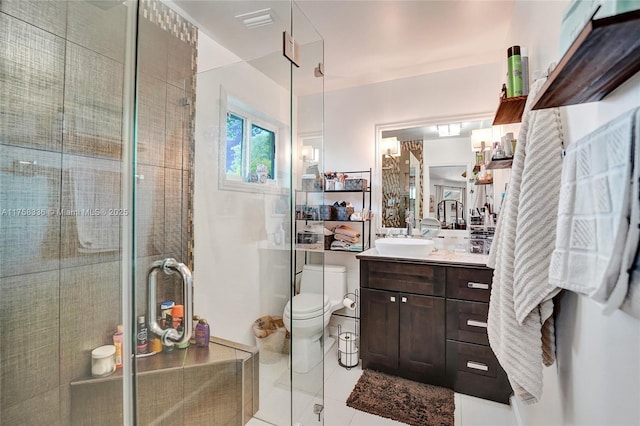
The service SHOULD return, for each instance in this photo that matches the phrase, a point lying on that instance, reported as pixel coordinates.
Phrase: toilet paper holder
(348, 354)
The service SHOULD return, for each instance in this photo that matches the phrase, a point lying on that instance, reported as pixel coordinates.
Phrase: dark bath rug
(403, 400)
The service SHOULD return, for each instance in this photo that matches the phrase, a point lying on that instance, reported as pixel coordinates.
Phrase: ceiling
(365, 41)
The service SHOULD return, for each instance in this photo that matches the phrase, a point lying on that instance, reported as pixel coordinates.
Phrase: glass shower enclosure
(124, 174)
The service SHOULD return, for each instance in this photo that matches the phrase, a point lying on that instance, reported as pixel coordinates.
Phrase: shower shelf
(224, 360)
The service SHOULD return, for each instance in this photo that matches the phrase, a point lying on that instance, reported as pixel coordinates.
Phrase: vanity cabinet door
(379, 328)
(422, 338)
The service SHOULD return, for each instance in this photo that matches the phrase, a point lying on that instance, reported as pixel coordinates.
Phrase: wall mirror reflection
(424, 169)
(448, 195)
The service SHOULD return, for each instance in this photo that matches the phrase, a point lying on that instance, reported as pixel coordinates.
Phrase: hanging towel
(96, 191)
(597, 234)
(520, 324)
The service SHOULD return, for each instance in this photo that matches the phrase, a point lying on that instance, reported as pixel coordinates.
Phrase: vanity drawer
(474, 370)
(467, 321)
(414, 278)
(469, 283)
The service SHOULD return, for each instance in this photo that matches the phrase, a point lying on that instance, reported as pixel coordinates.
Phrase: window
(249, 142)
(251, 149)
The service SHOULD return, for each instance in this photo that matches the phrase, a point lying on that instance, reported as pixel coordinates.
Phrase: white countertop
(440, 256)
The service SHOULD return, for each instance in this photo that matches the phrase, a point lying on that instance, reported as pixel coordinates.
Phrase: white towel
(96, 191)
(520, 324)
(596, 246)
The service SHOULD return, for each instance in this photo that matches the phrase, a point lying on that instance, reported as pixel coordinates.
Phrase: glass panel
(173, 374)
(61, 210)
(310, 338)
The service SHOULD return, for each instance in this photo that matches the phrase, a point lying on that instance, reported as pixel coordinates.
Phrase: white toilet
(311, 313)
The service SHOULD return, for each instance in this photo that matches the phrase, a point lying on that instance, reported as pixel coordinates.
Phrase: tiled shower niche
(61, 117)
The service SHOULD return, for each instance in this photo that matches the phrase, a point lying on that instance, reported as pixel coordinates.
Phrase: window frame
(251, 116)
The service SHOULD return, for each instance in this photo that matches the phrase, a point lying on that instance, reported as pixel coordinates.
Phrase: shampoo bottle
(142, 342)
(514, 67)
(117, 342)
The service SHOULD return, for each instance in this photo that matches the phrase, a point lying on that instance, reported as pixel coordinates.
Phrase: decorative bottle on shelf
(117, 342)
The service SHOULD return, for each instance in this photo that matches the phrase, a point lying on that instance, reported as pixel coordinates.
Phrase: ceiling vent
(256, 19)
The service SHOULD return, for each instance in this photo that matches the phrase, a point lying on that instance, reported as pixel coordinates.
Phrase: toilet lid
(308, 305)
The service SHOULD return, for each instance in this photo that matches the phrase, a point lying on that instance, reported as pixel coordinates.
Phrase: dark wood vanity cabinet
(428, 322)
(403, 334)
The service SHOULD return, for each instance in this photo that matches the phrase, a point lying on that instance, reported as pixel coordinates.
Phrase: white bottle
(279, 236)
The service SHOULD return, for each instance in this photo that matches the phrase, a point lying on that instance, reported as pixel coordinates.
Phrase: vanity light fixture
(391, 147)
(449, 129)
(480, 136)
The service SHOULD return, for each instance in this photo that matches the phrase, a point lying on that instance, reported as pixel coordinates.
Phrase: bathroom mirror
(426, 169)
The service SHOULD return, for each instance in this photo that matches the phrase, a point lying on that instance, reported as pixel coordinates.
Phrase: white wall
(238, 276)
(596, 380)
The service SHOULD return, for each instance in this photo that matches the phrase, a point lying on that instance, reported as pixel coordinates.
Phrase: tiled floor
(275, 400)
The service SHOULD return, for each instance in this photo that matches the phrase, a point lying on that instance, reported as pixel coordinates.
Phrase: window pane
(235, 136)
(263, 149)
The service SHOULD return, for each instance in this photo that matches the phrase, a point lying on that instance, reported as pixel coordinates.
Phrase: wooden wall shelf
(502, 163)
(604, 55)
(510, 110)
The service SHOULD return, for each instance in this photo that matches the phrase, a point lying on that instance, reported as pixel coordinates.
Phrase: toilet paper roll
(349, 304)
(347, 342)
(349, 359)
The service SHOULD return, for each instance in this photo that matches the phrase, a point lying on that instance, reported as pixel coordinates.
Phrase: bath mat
(403, 400)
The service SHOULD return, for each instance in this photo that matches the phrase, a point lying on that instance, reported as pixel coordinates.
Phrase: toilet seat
(307, 305)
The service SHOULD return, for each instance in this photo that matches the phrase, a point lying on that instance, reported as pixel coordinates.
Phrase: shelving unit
(328, 198)
(510, 110)
(605, 54)
(502, 163)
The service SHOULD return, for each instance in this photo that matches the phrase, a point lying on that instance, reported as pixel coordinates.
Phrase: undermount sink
(401, 247)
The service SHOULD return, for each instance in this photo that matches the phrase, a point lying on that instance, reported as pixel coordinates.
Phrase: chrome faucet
(410, 223)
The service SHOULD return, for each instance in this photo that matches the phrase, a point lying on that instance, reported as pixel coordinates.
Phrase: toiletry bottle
(165, 314)
(142, 342)
(202, 334)
(514, 65)
(195, 320)
(177, 313)
(117, 342)
(279, 236)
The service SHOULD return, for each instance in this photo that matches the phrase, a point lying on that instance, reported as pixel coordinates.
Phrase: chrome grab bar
(170, 336)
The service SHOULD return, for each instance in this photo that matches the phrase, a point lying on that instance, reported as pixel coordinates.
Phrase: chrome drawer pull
(479, 286)
(477, 366)
(392, 299)
(404, 300)
(474, 323)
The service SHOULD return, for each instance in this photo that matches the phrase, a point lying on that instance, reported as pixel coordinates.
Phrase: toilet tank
(335, 280)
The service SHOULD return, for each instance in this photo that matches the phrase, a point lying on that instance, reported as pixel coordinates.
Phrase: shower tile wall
(61, 109)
